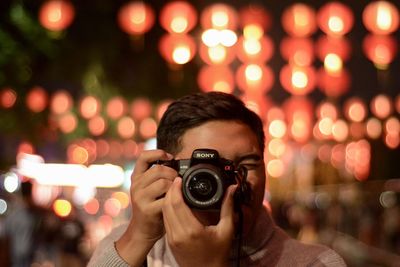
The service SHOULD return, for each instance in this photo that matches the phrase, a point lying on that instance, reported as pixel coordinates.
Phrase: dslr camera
(206, 177)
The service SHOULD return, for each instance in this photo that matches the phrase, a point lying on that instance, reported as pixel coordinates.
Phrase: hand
(148, 186)
(192, 243)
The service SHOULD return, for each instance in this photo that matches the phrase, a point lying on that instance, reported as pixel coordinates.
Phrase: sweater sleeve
(105, 254)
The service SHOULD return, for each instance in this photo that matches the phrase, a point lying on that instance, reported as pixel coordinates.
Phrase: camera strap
(239, 236)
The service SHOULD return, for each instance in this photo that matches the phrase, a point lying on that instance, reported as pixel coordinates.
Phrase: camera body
(205, 178)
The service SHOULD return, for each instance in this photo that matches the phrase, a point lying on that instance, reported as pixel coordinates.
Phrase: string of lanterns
(221, 35)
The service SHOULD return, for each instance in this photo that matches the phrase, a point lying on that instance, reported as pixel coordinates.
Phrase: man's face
(234, 141)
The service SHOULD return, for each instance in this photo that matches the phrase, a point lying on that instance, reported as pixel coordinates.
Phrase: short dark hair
(196, 109)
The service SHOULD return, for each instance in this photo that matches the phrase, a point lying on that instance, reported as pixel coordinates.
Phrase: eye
(250, 165)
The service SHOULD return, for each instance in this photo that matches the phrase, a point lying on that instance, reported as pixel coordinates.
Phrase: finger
(226, 222)
(177, 214)
(157, 189)
(153, 174)
(147, 157)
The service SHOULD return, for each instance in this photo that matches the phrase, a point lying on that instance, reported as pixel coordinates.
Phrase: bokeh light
(299, 20)
(381, 17)
(62, 207)
(37, 99)
(56, 15)
(178, 17)
(8, 97)
(136, 17)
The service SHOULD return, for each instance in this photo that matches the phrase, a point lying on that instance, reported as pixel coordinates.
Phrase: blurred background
(83, 85)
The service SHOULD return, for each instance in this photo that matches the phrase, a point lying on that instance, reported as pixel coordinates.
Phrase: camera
(206, 177)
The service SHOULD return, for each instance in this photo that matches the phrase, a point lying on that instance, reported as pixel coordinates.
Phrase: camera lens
(202, 186)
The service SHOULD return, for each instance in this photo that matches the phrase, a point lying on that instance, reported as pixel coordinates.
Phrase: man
(165, 231)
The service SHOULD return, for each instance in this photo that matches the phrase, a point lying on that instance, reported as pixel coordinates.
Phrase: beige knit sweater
(266, 246)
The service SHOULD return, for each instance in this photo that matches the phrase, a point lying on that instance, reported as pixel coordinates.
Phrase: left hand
(192, 243)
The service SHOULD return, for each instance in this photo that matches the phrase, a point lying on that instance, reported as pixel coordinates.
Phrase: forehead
(230, 138)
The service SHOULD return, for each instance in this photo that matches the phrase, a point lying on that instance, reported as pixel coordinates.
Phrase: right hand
(148, 187)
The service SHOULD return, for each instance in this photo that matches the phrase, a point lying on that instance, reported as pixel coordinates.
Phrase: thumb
(226, 222)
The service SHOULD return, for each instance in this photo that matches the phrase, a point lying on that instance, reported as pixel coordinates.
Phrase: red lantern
(217, 55)
(299, 20)
(254, 50)
(331, 45)
(178, 17)
(254, 14)
(177, 49)
(56, 15)
(299, 51)
(334, 85)
(335, 19)
(216, 78)
(299, 114)
(254, 78)
(298, 80)
(381, 17)
(219, 16)
(136, 17)
(37, 99)
(380, 49)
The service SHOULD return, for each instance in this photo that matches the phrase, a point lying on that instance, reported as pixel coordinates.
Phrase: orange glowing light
(8, 97)
(333, 84)
(355, 109)
(219, 16)
(392, 126)
(112, 207)
(89, 107)
(255, 50)
(335, 18)
(216, 55)
(299, 20)
(122, 197)
(126, 127)
(380, 49)
(277, 128)
(77, 154)
(275, 168)
(327, 110)
(325, 126)
(216, 78)
(298, 80)
(381, 106)
(276, 147)
(340, 130)
(62, 207)
(92, 206)
(177, 49)
(141, 108)
(381, 17)
(178, 17)
(275, 113)
(255, 14)
(392, 140)
(332, 45)
(67, 122)
(61, 102)
(299, 112)
(299, 51)
(374, 128)
(116, 107)
(36, 99)
(56, 15)
(97, 125)
(254, 78)
(136, 17)
(148, 128)
(130, 149)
